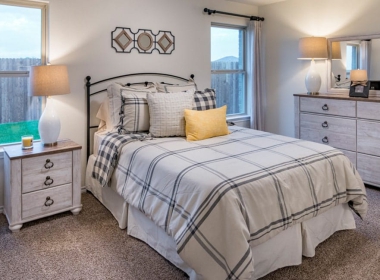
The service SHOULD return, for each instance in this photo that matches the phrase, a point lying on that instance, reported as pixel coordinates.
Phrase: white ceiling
(257, 2)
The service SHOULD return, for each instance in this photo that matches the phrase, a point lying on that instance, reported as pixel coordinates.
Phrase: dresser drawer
(351, 156)
(369, 137)
(37, 175)
(34, 203)
(328, 106)
(368, 168)
(328, 123)
(333, 139)
(338, 133)
(368, 110)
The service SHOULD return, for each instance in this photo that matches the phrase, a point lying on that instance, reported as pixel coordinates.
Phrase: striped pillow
(114, 96)
(134, 112)
(204, 100)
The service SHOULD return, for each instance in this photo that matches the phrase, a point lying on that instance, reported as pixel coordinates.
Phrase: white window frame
(357, 46)
(244, 115)
(43, 5)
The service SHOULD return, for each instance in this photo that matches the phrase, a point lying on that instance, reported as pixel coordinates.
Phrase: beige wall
(80, 38)
(288, 21)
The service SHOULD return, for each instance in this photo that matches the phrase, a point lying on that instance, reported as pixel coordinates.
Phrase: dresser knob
(325, 139)
(325, 124)
(325, 107)
(48, 181)
(49, 164)
(49, 201)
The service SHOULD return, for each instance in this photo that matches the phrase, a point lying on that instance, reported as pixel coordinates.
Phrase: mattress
(247, 186)
(311, 235)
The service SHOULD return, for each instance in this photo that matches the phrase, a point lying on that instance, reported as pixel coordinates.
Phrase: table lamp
(359, 76)
(336, 53)
(313, 48)
(49, 80)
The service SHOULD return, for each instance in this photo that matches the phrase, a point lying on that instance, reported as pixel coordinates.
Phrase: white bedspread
(217, 196)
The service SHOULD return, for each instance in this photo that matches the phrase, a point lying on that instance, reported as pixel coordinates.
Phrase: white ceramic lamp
(48, 80)
(313, 48)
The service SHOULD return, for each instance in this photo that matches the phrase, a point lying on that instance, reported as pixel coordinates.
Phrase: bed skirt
(285, 249)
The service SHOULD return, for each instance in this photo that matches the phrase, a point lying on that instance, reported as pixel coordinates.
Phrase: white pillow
(114, 96)
(136, 111)
(176, 88)
(104, 116)
(167, 112)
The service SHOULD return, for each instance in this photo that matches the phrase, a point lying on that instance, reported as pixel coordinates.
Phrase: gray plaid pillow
(204, 100)
(134, 112)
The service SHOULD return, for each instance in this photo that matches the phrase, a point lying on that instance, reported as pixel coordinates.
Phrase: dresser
(42, 181)
(349, 124)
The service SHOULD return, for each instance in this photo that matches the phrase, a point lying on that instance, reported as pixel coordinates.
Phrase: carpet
(91, 246)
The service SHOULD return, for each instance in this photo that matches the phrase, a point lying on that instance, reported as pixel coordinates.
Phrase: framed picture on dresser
(360, 90)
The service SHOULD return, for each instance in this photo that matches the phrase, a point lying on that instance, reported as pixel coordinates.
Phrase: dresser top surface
(15, 151)
(338, 96)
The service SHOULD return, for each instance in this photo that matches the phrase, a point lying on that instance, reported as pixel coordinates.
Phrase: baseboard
(1, 209)
(83, 189)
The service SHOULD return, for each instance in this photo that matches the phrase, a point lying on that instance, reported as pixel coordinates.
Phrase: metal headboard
(89, 94)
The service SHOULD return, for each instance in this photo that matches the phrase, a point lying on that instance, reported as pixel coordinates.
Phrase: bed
(236, 206)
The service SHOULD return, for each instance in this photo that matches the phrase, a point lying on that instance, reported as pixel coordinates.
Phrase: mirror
(349, 53)
(145, 41)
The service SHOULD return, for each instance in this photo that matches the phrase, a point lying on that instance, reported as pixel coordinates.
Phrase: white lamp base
(49, 125)
(313, 80)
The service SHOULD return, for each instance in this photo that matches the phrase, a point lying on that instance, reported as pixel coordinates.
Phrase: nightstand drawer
(345, 108)
(46, 171)
(37, 203)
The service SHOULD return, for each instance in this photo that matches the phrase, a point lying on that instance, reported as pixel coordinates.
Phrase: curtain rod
(231, 14)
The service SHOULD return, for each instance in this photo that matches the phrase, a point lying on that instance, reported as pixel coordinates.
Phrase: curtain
(365, 53)
(255, 91)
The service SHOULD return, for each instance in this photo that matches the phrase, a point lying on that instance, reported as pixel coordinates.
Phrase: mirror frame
(140, 37)
(329, 61)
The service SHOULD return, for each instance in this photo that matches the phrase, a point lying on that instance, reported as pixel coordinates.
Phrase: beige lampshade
(313, 48)
(48, 80)
(358, 75)
(335, 51)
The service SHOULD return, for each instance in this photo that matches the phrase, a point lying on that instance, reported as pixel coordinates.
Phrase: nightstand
(42, 181)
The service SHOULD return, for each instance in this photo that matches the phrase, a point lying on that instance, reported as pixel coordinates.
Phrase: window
(22, 44)
(228, 67)
(352, 58)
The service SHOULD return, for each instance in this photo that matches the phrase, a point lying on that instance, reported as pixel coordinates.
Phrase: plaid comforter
(215, 197)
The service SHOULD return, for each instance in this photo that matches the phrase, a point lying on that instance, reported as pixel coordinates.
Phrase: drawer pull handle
(49, 164)
(325, 124)
(48, 181)
(325, 107)
(49, 201)
(325, 139)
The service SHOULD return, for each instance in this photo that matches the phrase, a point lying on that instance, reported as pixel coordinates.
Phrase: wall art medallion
(124, 40)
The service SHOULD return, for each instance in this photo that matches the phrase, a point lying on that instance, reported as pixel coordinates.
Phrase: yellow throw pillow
(206, 124)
